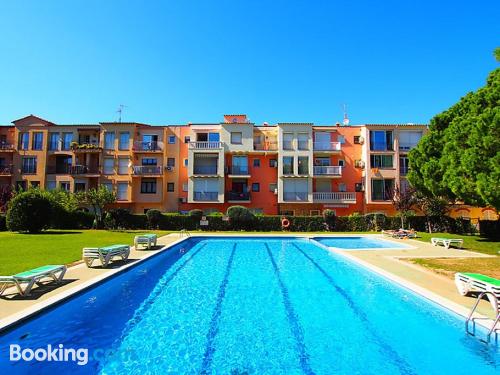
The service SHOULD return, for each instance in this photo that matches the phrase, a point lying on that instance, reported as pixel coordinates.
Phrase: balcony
(6, 170)
(148, 146)
(334, 197)
(92, 147)
(205, 170)
(295, 197)
(328, 171)
(205, 145)
(206, 196)
(147, 170)
(327, 146)
(238, 171)
(83, 169)
(266, 146)
(234, 196)
(6, 147)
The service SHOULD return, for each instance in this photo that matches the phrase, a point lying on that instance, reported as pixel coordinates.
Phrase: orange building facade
(286, 168)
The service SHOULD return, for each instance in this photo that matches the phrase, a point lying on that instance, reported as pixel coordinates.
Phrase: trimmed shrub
(3, 224)
(197, 214)
(30, 211)
(329, 217)
(154, 218)
(118, 218)
(487, 228)
(240, 217)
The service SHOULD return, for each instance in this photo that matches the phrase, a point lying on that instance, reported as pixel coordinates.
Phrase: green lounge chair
(31, 278)
(476, 282)
(147, 240)
(105, 254)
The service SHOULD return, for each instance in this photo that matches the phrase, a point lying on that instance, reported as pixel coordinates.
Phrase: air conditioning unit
(359, 187)
(359, 163)
(169, 168)
(361, 140)
(274, 164)
(275, 191)
(182, 200)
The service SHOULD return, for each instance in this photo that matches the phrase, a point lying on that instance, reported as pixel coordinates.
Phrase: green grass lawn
(474, 243)
(21, 252)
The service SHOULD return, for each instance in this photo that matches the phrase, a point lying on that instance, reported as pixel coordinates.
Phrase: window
(342, 187)
(287, 141)
(35, 184)
(50, 185)
(123, 165)
(29, 165)
(53, 141)
(149, 161)
(109, 166)
(108, 185)
(109, 140)
(122, 191)
(287, 165)
(240, 165)
(404, 165)
(357, 139)
(170, 186)
(404, 185)
(187, 139)
(64, 185)
(382, 189)
(381, 140)
(171, 139)
(256, 163)
(236, 138)
(303, 162)
(381, 161)
(186, 162)
(37, 141)
(148, 186)
(273, 163)
(295, 189)
(20, 185)
(255, 187)
(185, 187)
(287, 212)
(66, 141)
(206, 189)
(124, 141)
(409, 139)
(489, 215)
(170, 162)
(340, 139)
(341, 163)
(24, 139)
(79, 187)
(303, 141)
(273, 187)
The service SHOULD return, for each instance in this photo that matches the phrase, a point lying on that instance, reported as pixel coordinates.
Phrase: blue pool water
(256, 306)
(359, 243)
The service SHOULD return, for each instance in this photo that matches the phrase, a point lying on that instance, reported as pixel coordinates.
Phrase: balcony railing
(206, 196)
(266, 146)
(295, 197)
(237, 196)
(238, 170)
(327, 146)
(330, 170)
(152, 146)
(205, 145)
(83, 169)
(6, 169)
(334, 196)
(144, 170)
(403, 171)
(205, 169)
(287, 145)
(287, 169)
(4, 146)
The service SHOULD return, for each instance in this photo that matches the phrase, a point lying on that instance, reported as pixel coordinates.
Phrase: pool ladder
(184, 233)
(470, 318)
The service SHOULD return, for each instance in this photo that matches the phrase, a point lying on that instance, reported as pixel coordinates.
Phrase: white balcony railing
(327, 146)
(328, 170)
(144, 170)
(205, 145)
(339, 196)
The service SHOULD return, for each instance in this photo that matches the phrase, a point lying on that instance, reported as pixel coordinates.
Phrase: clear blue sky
(277, 61)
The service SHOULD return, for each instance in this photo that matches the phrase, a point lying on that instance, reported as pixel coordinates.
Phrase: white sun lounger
(105, 254)
(32, 277)
(476, 282)
(148, 240)
(447, 242)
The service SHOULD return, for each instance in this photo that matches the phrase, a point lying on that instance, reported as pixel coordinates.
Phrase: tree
(30, 211)
(240, 217)
(98, 199)
(329, 217)
(459, 158)
(6, 194)
(403, 201)
(432, 207)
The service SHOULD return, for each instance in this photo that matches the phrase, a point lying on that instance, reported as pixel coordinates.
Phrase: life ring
(285, 223)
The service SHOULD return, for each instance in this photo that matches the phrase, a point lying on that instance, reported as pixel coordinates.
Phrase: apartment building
(286, 168)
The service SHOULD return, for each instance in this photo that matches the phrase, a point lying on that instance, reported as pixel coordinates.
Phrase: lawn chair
(105, 254)
(476, 282)
(447, 242)
(32, 277)
(147, 240)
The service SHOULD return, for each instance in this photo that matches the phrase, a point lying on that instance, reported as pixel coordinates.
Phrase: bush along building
(296, 169)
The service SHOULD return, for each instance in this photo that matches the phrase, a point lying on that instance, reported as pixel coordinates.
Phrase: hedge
(490, 229)
(3, 223)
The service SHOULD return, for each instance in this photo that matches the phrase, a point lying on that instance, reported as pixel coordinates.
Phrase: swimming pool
(360, 243)
(253, 305)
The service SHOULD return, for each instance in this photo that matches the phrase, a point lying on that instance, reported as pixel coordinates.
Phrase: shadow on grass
(53, 232)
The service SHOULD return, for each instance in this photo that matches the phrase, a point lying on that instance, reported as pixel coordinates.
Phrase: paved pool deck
(389, 263)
